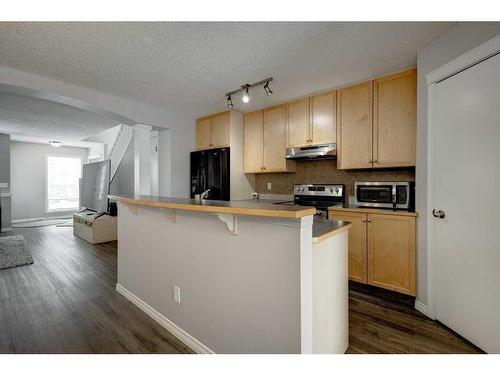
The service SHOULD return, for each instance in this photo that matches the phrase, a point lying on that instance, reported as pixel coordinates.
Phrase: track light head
(246, 97)
(229, 102)
(268, 90)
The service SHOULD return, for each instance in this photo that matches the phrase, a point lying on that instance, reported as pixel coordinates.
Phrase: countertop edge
(332, 233)
(218, 209)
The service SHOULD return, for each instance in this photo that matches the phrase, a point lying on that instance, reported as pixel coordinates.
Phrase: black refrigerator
(210, 170)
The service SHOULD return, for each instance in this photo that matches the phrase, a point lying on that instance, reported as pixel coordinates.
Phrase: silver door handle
(438, 213)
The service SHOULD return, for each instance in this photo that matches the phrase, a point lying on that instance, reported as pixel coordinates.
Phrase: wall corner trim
(178, 332)
(482, 52)
(423, 308)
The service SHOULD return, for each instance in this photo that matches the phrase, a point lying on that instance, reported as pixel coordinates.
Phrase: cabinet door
(204, 133)
(254, 141)
(323, 118)
(274, 139)
(395, 120)
(356, 244)
(354, 127)
(391, 252)
(298, 123)
(220, 129)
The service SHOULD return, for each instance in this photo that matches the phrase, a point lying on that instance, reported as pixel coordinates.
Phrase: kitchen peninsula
(236, 277)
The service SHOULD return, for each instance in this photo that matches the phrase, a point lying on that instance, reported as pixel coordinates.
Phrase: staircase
(120, 146)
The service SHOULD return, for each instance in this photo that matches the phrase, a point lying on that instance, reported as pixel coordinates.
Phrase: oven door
(376, 195)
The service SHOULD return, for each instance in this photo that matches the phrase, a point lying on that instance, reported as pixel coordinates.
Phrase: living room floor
(66, 303)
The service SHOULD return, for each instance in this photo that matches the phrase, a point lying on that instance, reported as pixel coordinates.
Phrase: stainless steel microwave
(395, 195)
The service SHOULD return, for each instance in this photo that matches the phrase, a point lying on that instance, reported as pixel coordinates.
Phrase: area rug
(39, 223)
(13, 252)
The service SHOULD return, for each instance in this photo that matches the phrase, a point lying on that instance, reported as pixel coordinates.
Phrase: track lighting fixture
(267, 89)
(245, 90)
(246, 97)
(229, 102)
(55, 143)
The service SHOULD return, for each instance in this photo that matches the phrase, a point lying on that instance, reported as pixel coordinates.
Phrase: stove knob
(331, 190)
(302, 188)
(337, 190)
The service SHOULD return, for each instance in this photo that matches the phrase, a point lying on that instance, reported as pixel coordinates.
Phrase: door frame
(475, 56)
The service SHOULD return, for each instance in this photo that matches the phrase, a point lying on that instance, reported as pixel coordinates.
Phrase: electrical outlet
(269, 186)
(177, 294)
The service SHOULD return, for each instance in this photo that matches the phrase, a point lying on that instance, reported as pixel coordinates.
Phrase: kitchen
(364, 132)
(344, 153)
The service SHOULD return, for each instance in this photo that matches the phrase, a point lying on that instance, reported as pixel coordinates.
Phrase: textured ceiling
(187, 67)
(37, 120)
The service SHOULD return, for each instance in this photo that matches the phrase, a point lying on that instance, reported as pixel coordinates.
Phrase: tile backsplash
(326, 172)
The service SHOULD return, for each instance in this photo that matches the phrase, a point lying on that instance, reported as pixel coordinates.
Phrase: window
(63, 187)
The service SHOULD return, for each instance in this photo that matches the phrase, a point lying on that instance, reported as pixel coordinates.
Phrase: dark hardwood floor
(66, 303)
(382, 325)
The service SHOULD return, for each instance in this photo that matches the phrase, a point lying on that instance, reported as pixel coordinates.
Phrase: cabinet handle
(375, 161)
(370, 161)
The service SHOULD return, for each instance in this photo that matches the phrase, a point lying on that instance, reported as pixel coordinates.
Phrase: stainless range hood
(326, 151)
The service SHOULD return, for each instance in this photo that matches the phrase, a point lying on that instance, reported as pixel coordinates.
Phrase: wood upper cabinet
(312, 121)
(254, 141)
(323, 118)
(212, 131)
(204, 133)
(265, 141)
(395, 120)
(298, 127)
(220, 129)
(354, 127)
(391, 252)
(356, 243)
(274, 138)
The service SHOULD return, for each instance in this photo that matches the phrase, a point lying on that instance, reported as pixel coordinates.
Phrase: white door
(467, 189)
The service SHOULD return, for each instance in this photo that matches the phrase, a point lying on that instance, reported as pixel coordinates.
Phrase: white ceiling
(187, 67)
(36, 120)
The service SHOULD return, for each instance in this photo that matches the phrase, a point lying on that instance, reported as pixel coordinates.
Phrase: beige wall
(239, 294)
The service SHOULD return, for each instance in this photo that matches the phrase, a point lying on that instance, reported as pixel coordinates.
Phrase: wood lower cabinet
(356, 244)
(391, 252)
(395, 120)
(381, 249)
(354, 128)
(213, 131)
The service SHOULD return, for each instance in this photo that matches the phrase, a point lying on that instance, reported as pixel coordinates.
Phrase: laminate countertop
(324, 229)
(243, 207)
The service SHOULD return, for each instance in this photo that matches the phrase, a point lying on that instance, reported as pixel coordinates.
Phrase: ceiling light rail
(245, 89)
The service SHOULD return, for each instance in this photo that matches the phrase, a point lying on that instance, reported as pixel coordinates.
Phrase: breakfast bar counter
(236, 277)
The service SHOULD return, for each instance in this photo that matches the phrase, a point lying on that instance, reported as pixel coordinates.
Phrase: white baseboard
(175, 330)
(69, 216)
(423, 308)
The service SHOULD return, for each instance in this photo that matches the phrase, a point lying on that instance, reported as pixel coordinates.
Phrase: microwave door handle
(394, 198)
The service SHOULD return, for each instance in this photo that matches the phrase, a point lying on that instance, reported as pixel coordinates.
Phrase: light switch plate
(4, 184)
(269, 186)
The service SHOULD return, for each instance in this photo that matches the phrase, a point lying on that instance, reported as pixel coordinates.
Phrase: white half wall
(27, 165)
(455, 42)
(182, 129)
